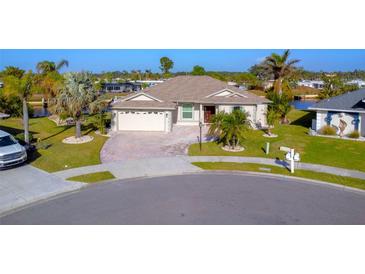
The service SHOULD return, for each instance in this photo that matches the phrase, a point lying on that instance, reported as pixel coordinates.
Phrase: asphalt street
(206, 198)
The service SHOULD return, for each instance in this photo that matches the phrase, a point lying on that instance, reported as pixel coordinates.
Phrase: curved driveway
(208, 198)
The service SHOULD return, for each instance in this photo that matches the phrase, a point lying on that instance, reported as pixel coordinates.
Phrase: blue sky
(97, 60)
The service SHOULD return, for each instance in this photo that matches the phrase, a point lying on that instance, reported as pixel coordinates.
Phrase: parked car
(11, 152)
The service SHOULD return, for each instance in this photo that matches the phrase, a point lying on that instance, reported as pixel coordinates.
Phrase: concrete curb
(262, 174)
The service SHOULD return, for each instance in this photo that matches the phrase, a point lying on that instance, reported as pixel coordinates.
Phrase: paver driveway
(137, 145)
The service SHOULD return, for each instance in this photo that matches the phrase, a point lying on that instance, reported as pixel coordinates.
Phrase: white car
(11, 152)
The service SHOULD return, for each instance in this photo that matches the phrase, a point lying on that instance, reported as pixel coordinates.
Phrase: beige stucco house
(184, 100)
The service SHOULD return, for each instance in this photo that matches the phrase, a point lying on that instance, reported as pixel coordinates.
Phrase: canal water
(303, 104)
(41, 112)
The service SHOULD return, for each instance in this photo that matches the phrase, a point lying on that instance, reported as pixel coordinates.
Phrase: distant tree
(280, 67)
(76, 96)
(198, 70)
(260, 72)
(147, 74)
(332, 86)
(49, 66)
(166, 65)
(248, 79)
(48, 84)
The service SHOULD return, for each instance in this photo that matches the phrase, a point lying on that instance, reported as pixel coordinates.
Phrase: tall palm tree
(229, 128)
(76, 96)
(22, 88)
(49, 66)
(280, 67)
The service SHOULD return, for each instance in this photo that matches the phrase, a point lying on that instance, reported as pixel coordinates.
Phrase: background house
(121, 87)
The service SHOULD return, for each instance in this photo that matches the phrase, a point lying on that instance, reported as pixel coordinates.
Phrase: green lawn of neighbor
(346, 181)
(93, 177)
(319, 150)
(58, 156)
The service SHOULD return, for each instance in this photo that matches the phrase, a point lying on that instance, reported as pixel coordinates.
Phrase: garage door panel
(142, 120)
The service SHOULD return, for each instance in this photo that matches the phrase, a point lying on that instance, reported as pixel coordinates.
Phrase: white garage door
(142, 120)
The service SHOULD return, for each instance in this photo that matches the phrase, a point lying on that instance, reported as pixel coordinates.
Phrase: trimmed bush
(20, 137)
(354, 134)
(327, 130)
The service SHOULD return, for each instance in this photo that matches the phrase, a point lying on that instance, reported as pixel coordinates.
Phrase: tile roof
(192, 89)
(350, 101)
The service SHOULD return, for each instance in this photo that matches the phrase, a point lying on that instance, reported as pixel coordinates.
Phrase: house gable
(142, 97)
(225, 93)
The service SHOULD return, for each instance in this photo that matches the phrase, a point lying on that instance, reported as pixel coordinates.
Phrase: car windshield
(7, 141)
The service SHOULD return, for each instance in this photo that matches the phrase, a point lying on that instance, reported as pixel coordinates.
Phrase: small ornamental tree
(271, 116)
(229, 128)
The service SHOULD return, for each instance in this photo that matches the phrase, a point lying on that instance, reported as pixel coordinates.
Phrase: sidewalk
(281, 163)
(136, 168)
(26, 184)
(182, 164)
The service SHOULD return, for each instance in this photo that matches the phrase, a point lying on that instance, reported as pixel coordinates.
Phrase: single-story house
(184, 100)
(348, 109)
(121, 87)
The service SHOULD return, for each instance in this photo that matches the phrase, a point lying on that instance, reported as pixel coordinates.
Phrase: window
(187, 111)
(236, 108)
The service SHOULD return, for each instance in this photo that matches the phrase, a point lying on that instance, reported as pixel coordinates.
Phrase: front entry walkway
(130, 145)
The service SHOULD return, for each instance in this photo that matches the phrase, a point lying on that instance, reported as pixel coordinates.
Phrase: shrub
(328, 130)
(20, 137)
(354, 134)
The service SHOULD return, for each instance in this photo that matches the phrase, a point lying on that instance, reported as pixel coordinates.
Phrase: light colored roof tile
(193, 89)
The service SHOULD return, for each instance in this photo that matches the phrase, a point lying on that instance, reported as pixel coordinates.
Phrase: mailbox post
(292, 160)
(200, 135)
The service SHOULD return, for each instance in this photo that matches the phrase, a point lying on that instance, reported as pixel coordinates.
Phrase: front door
(209, 111)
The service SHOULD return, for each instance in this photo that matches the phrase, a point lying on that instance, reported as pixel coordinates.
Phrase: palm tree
(49, 66)
(22, 88)
(280, 104)
(280, 67)
(229, 128)
(14, 71)
(76, 96)
(271, 118)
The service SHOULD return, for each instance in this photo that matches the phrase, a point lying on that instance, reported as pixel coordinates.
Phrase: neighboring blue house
(348, 109)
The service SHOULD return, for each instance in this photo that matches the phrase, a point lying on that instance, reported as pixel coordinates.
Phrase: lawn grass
(58, 156)
(319, 150)
(93, 177)
(340, 180)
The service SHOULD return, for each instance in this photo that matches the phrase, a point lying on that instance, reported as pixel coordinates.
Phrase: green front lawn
(93, 177)
(55, 155)
(340, 180)
(319, 150)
